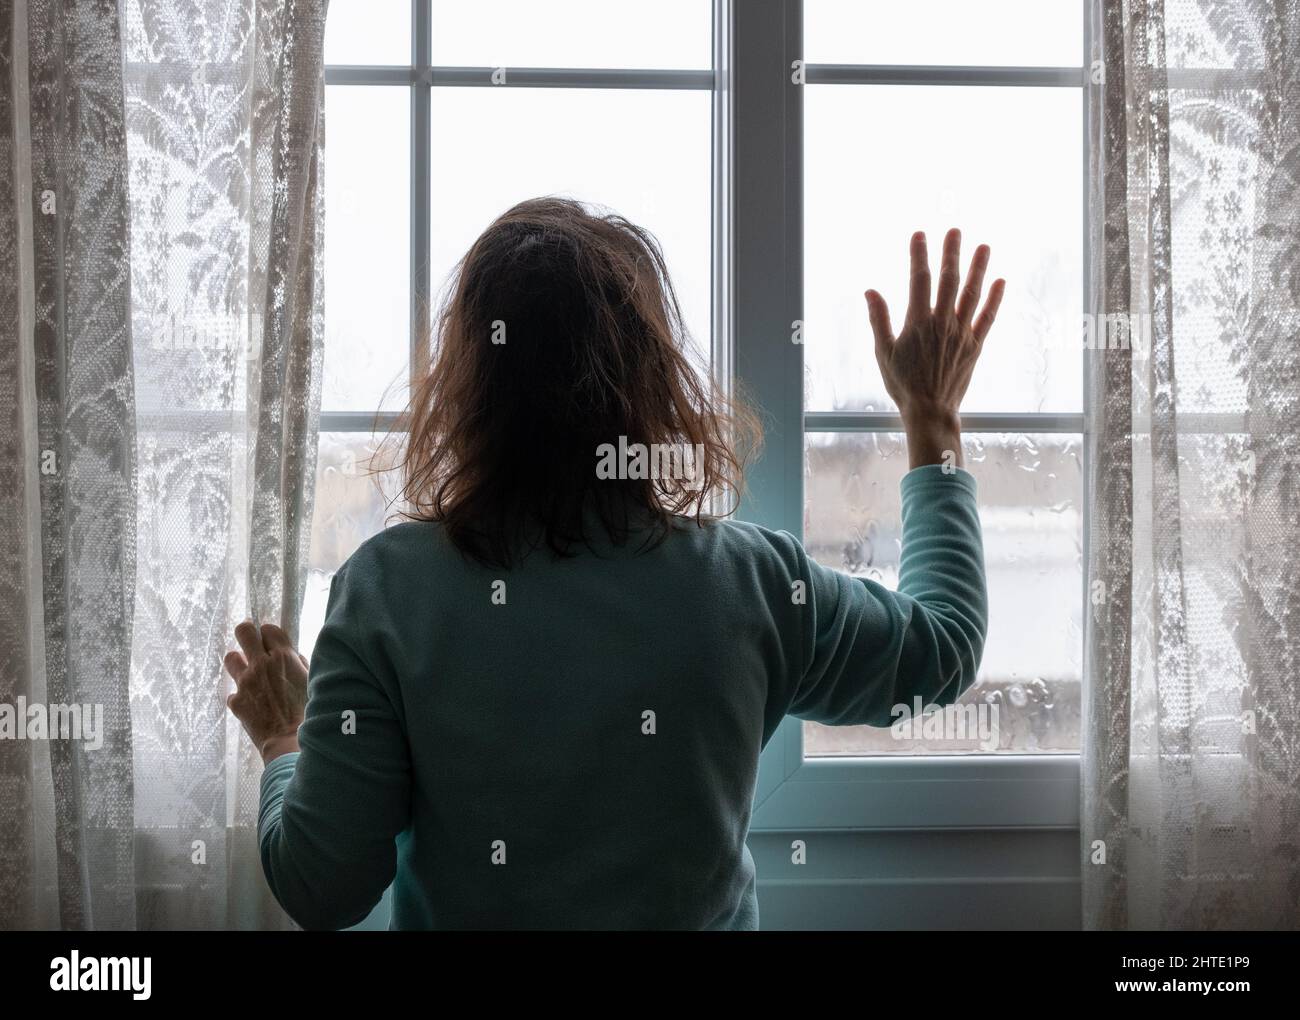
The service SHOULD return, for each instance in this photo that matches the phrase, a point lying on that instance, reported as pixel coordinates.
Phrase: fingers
(985, 321)
(249, 639)
(970, 294)
(949, 273)
(274, 637)
(235, 664)
(880, 328)
(918, 305)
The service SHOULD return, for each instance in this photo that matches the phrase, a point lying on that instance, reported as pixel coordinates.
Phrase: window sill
(957, 791)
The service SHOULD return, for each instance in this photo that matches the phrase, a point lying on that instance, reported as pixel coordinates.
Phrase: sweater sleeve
(330, 814)
(867, 648)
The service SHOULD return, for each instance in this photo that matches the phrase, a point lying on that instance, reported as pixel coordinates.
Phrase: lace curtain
(158, 420)
(1191, 780)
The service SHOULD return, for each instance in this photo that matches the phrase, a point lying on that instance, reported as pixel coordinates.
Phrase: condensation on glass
(1030, 511)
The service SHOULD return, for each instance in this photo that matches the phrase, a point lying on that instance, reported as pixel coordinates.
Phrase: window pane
(367, 247)
(1007, 33)
(644, 154)
(351, 505)
(1007, 171)
(368, 32)
(573, 33)
(1030, 506)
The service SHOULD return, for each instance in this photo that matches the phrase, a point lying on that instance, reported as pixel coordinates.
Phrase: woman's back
(574, 742)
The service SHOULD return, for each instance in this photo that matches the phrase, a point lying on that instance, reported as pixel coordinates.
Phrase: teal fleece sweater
(580, 751)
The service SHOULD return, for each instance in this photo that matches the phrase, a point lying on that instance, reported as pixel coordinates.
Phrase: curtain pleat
(225, 121)
(287, 273)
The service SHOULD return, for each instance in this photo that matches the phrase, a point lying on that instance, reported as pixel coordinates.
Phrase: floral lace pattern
(1191, 764)
(174, 298)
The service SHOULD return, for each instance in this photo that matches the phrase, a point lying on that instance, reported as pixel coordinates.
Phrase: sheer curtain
(67, 452)
(169, 352)
(1191, 780)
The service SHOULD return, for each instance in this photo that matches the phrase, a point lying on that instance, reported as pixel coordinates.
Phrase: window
(827, 171)
(981, 128)
(439, 116)
(776, 203)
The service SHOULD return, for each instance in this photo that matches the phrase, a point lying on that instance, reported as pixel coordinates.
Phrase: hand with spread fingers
(928, 366)
(270, 688)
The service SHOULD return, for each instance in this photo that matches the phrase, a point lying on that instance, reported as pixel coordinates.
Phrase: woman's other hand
(270, 688)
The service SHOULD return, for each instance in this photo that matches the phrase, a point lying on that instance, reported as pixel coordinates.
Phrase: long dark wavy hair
(562, 333)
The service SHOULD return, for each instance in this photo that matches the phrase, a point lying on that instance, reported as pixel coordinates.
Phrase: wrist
(280, 744)
(931, 418)
(933, 438)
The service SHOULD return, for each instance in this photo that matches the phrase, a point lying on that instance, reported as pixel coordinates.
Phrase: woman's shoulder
(418, 547)
(410, 543)
(742, 539)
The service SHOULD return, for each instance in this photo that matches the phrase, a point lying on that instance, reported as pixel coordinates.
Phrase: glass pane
(367, 247)
(668, 34)
(368, 32)
(644, 154)
(1030, 509)
(1005, 33)
(873, 175)
(352, 503)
